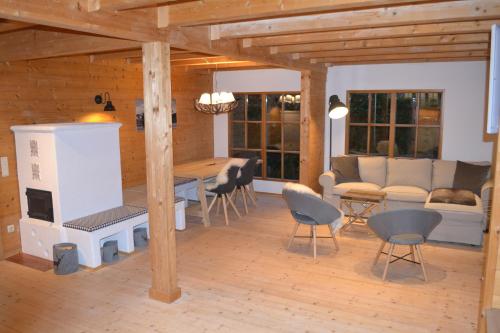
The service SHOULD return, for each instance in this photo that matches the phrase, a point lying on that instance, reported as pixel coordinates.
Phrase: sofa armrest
(486, 192)
(327, 181)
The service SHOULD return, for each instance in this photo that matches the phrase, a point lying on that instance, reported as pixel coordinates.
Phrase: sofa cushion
(406, 193)
(470, 176)
(340, 189)
(477, 209)
(407, 172)
(372, 169)
(345, 169)
(453, 196)
(443, 173)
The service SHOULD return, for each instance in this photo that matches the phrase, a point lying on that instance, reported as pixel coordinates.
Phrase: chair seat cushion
(340, 189)
(406, 193)
(303, 219)
(406, 239)
(211, 186)
(477, 209)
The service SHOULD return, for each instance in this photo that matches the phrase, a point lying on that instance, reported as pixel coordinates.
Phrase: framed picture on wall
(139, 114)
(174, 113)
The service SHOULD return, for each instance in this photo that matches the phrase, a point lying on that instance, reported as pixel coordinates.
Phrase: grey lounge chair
(409, 227)
(308, 208)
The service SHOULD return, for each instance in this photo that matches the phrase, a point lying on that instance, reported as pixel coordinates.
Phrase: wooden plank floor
(241, 278)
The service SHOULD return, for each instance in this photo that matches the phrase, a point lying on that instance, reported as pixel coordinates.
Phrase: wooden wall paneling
(160, 171)
(312, 124)
(63, 90)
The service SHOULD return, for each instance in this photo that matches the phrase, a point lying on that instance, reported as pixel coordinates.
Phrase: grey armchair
(409, 227)
(308, 208)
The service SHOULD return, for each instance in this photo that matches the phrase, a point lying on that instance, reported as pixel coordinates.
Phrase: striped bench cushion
(183, 180)
(106, 218)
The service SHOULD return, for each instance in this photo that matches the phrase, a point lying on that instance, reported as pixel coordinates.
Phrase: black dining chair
(224, 185)
(407, 227)
(243, 181)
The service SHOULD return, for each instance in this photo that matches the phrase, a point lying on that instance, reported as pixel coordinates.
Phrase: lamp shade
(109, 106)
(337, 109)
(205, 99)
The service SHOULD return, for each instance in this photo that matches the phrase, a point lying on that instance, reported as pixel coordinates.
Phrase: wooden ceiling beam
(227, 65)
(198, 39)
(419, 56)
(37, 44)
(137, 53)
(8, 26)
(384, 42)
(210, 66)
(116, 5)
(412, 30)
(203, 61)
(221, 11)
(69, 14)
(405, 61)
(464, 10)
(397, 50)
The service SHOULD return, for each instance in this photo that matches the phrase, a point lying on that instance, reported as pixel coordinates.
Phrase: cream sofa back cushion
(409, 172)
(443, 173)
(372, 169)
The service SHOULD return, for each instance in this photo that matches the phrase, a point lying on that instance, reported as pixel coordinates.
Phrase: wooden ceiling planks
(223, 11)
(285, 33)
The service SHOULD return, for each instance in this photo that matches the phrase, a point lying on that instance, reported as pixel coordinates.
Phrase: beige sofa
(408, 184)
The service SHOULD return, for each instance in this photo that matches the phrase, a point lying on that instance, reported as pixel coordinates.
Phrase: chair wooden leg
(232, 205)
(333, 237)
(379, 252)
(294, 232)
(421, 259)
(412, 251)
(313, 228)
(244, 199)
(389, 257)
(212, 203)
(224, 205)
(251, 194)
(310, 235)
(218, 206)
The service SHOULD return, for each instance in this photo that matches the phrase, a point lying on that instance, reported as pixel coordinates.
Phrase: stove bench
(90, 232)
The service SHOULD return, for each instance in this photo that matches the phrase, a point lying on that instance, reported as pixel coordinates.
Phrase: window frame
(392, 123)
(263, 141)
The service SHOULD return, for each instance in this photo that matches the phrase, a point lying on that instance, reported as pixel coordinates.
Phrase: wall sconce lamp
(107, 99)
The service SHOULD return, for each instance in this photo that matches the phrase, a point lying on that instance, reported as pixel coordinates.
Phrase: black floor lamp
(336, 110)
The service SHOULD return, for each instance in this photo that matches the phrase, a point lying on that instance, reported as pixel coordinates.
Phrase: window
(394, 123)
(267, 125)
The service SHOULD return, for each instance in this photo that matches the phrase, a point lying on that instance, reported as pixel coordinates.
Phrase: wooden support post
(159, 170)
(490, 287)
(312, 125)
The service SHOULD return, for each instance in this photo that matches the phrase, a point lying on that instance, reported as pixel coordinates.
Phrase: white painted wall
(261, 80)
(464, 85)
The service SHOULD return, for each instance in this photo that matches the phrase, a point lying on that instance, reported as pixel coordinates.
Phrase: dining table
(201, 170)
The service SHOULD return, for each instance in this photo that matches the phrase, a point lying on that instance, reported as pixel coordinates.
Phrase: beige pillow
(372, 169)
(408, 172)
(443, 173)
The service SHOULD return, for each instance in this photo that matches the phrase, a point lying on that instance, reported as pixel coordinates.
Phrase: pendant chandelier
(216, 103)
